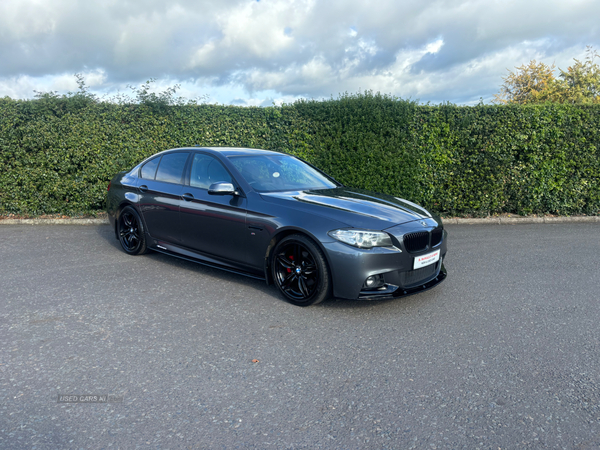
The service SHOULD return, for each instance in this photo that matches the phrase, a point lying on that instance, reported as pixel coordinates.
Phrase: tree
(581, 81)
(530, 84)
(536, 83)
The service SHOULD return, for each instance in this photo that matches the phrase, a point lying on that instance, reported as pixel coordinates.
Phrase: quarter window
(149, 169)
(170, 169)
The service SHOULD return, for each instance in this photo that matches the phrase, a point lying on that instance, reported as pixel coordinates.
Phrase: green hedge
(58, 154)
(509, 159)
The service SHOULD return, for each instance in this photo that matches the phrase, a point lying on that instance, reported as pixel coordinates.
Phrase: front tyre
(130, 231)
(300, 271)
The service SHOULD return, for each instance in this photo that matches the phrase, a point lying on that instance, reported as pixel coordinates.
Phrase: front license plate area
(426, 260)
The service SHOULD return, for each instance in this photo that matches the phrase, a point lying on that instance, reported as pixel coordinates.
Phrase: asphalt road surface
(504, 354)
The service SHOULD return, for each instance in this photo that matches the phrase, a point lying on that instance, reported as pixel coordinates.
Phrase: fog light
(374, 281)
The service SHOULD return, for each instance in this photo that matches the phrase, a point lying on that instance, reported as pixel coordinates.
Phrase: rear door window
(170, 169)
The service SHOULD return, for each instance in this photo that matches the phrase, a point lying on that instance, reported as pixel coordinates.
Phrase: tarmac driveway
(504, 354)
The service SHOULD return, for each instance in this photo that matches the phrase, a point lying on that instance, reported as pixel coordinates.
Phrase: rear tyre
(300, 271)
(130, 232)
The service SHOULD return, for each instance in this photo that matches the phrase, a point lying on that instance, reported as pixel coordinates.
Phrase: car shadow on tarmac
(107, 234)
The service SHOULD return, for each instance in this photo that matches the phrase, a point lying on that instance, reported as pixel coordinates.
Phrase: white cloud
(25, 86)
(252, 52)
(25, 19)
(435, 46)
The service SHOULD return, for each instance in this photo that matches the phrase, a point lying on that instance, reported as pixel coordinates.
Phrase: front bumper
(351, 266)
(393, 291)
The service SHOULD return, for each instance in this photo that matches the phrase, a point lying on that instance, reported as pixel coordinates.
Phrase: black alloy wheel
(300, 271)
(131, 232)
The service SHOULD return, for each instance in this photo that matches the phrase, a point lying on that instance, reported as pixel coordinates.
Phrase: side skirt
(206, 263)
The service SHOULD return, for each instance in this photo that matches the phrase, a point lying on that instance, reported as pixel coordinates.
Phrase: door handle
(187, 197)
(143, 188)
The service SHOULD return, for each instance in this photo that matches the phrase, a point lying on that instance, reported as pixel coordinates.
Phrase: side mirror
(222, 188)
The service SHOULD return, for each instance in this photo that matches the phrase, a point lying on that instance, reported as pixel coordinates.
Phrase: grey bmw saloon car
(272, 216)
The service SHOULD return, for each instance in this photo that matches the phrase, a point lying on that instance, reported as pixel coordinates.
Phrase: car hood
(356, 208)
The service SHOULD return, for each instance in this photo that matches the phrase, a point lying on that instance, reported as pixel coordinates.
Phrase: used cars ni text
(272, 216)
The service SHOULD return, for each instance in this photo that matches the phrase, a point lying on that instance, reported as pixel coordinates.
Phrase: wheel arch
(283, 233)
(120, 208)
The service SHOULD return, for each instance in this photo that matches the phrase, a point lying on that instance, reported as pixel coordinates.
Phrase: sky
(265, 52)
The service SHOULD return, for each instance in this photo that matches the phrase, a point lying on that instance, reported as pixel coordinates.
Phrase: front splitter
(405, 292)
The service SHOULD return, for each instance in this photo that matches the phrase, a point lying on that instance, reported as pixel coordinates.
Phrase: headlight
(362, 238)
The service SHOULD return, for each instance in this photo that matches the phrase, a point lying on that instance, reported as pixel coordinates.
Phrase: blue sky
(248, 52)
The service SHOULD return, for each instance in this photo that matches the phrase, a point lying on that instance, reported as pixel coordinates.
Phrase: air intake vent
(415, 277)
(436, 236)
(416, 242)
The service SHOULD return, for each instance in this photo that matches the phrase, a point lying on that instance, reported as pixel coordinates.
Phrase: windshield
(268, 173)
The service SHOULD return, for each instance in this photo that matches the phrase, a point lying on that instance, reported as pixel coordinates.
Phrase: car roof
(232, 151)
(225, 151)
